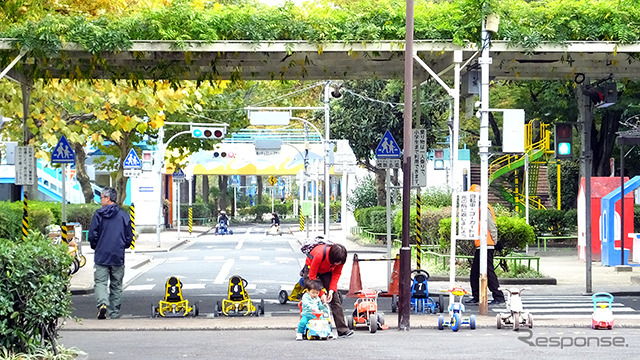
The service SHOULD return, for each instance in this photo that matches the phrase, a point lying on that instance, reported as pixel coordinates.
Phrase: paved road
(269, 264)
(543, 343)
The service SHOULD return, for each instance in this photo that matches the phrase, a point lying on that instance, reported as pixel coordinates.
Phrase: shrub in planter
(33, 290)
(431, 217)
(378, 220)
(514, 233)
(11, 220)
(397, 224)
(39, 218)
(549, 221)
(81, 213)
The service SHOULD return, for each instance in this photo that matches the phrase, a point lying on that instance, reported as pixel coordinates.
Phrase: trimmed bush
(513, 233)
(33, 290)
(81, 213)
(378, 220)
(364, 195)
(549, 221)
(11, 220)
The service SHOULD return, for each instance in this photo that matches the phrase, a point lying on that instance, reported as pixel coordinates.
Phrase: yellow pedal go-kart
(174, 304)
(238, 303)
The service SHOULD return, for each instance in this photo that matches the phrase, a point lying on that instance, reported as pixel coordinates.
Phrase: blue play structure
(610, 253)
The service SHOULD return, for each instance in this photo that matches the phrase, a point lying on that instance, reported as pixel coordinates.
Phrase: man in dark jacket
(109, 235)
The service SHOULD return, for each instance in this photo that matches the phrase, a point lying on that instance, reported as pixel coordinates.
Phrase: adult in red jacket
(325, 262)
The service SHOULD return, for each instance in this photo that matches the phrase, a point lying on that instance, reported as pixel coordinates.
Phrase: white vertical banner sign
(468, 215)
(419, 159)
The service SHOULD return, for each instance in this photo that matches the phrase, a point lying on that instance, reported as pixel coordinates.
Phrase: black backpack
(309, 245)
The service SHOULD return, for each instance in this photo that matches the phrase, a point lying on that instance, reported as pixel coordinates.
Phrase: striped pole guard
(63, 233)
(132, 213)
(418, 231)
(190, 219)
(301, 220)
(25, 218)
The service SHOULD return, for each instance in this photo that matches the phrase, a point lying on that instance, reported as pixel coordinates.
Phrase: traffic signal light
(564, 140)
(221, 153)
(204, 132)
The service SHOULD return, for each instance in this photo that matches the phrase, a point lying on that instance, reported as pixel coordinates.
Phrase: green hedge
(554, 222)
(33, 290)
(513, 233)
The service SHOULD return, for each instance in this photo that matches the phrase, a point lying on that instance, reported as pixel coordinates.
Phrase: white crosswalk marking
(142, 287)
(193, 286)
(214, 258)
(224, 272)
(554, 307)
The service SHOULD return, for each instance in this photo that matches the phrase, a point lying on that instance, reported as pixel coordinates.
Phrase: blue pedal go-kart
(456, 309)
(421, 302)
(223, 229)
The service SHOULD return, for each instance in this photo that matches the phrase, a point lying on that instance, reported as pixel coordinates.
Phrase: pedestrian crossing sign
(132, 161)
(62, 153)
(388, 147)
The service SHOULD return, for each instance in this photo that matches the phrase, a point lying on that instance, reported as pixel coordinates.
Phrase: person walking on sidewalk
(492, 278)
(110, 234)
(325, 262)
(311, 302)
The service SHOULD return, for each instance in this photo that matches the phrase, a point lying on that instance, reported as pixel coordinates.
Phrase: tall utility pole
(586, 114)
(484, 145)
(405, 250)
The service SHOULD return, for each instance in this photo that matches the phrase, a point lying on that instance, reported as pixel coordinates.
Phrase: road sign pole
(179, 186)
(64, 193)
(388, 188)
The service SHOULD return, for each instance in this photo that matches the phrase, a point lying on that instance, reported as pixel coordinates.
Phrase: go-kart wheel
(309, 336)
(472, 322)
(455, 322)
(261, 306)
(516, 321)
(350, 322)
(154, 311)
(194, 310)
(440, 322)
(441, 303)
(82, 260)
(230, 232)
(380, 320)
(420, 306)
(283, 297)
(373, 323)
(394, 303)
(498, 321)
(218, 306)
(530, 320)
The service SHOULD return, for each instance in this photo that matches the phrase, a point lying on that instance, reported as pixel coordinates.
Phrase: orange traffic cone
(355, 284)
(395, 274)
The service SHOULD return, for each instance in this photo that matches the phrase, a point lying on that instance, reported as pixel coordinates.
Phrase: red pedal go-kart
(366, 312)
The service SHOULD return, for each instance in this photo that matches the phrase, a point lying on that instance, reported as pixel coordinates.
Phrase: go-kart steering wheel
(419, 271)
